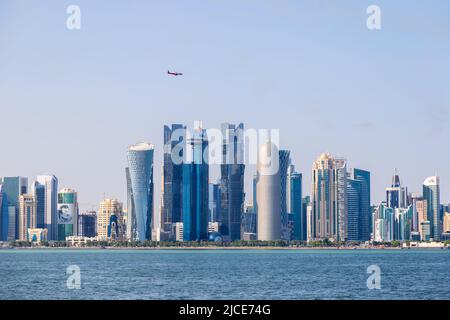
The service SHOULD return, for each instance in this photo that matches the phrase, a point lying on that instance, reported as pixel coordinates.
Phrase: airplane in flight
(174, 73)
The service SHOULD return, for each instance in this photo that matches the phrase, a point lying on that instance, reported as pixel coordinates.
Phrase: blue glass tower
(294, 204)
(140, 168)
(284, 162)
(4, 219)
(354, 213)
(232, 181)
(13, 187)
(171, 210)
(195, 189)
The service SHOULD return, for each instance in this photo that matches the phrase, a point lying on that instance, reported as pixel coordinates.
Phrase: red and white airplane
(174, 73)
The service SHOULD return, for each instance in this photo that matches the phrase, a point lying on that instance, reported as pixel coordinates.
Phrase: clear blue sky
(72, 101)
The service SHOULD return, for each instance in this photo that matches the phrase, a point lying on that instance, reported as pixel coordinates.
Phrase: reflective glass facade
(140, 164)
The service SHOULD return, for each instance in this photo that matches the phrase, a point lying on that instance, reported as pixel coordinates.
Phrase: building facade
(45, 190)
(431, 193)
(294, 204)
(107, 209)
(329, 198)
(268, 194)
(87, 224)
(140, 189)
(231, 183)
(195, 192)
(67, 217)
(171, 208)
(27, 215)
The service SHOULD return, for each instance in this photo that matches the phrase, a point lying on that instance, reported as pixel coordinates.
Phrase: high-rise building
(329, 198)
(284, 162)
(417, 207)
(13, 187)
(425, 230)
(249, 220)
(294, 203)
(396, 195)
(354, 193)
(446, 224)
(45, 190)
(214, 202)
(359, 214)
(87, 222)
(140, 189)
(4, 219)
(67, 219)
(107, 209)
(431, 193)
(384, 223)
(195, 188)
(268, 194)
(403, 223)
(171, 209)
(27, 215)
(232, 181)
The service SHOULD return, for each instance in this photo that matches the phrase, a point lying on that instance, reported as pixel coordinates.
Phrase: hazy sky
(71, 102)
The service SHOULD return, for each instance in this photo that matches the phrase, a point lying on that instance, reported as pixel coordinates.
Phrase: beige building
(108, 207)
(329, 199)
(446, 226)
(27, 215)
(421, 207)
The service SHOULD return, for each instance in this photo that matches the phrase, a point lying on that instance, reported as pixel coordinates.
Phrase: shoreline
(217, 248)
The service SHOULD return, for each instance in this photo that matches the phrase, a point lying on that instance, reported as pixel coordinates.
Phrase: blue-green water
(224, 274)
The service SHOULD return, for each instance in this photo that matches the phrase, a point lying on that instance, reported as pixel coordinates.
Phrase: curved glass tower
(140, 168)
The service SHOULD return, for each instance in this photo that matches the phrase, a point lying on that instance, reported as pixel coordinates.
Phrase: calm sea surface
(224, 274)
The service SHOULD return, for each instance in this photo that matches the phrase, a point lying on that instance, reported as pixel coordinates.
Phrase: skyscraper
(67, 219)
(359, 211)
(108, 208)
(140, 164)
(294, 202)
(171, 210)
(268, 194)
(214, 202)
(396, 195)
(27, 215)
(13, 187)
(232, 181)
(354, 192)
(4, 218)
(195, 188)
(87, 222)
(284, 162)
(431, 193)
(45, 190)
(384, 223)
(329, 198)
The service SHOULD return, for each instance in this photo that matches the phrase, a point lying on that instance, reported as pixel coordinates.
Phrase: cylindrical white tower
(268, 193)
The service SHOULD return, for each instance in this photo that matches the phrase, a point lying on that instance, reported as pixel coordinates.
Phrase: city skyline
(265, 69)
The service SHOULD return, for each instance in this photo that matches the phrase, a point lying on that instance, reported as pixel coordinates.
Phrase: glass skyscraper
(45, 190)
(195, 189)
(354, 214)
(4, 219)
(295, 204)
(140, 189)
(171, 210)
(431, 193)
(284, 162)
(232, 181)
(359, 215)
(13, 187)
